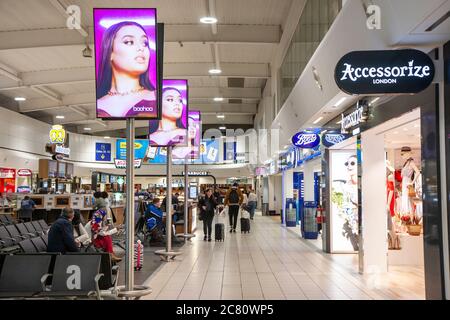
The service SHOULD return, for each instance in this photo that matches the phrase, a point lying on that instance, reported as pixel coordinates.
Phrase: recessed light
(405, 129)
(214, 71)
(337, 104)
(395, 132)
(222, 128)
(59, 117)
(106, 137)
(318, 120)
(218, 99)
(221, 116)
(87, 129)
(208, 20)
(20, 98)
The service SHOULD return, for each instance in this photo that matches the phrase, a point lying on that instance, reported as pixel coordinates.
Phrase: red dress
(390, 187)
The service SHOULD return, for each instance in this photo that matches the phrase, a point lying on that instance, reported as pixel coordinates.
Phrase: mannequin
(394, 241)
(410, 173)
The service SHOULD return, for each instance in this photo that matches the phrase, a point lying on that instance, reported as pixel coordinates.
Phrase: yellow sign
(137, 145)
(57, 134)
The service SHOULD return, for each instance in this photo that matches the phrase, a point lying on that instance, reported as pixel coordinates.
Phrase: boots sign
(384, 72)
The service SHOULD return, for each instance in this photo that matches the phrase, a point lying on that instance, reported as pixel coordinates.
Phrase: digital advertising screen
(172, 129)
(126, 63)
(140, 149)
(192, 150)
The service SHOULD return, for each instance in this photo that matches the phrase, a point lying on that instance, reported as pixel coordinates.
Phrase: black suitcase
(219, 232)
(245, 225)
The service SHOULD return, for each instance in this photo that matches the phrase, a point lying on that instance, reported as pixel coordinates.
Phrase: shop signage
(306, 140)
(196, 173)
(58, 157)
(140, 149)
(353, 119)
(24, 173)
(102, 151)
(57, 134)
(6, 173)
(62, 150)
(330, 139)
(384, 72)
(122, 164)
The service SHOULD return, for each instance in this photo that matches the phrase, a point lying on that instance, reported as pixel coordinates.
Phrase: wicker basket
(414, 229)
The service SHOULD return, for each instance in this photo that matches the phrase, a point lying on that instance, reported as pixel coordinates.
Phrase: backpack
(234, 197)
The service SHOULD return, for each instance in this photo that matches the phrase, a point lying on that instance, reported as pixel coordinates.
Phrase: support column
(129, 218)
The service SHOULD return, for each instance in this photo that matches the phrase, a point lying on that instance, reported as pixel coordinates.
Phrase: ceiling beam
(88, 98)
(61, 6)
(59, 37)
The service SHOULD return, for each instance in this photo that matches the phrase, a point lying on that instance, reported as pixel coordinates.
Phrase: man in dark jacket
(60, 236)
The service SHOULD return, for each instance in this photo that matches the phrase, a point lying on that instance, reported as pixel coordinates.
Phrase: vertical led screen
(344, 201)
(125, 63)
(192, 151)
(171, 130)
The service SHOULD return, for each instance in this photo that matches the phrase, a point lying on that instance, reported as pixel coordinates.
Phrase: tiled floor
(273, 263)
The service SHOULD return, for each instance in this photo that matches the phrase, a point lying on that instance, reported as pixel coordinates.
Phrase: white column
(374, 213)
(288, 192)
(308, 176)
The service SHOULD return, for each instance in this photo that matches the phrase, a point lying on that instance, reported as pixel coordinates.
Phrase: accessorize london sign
(306, 140)
(384, 72)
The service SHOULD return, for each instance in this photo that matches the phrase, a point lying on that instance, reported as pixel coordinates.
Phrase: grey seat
(39, 244)
(14, 233)
(6, 238)
(44, 225)
(31, 228)
(23, 231)
(45, 239)
(75, 276)
(4, 220)
(19, 279)
(27, 246)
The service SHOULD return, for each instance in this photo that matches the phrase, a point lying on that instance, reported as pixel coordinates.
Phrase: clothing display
(391, 188)
(407, 179)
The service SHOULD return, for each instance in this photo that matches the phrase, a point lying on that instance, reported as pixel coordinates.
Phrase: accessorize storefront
(382, 194)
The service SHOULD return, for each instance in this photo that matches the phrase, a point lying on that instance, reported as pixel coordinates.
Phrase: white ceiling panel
(66, 89)
(22, 92)
(247, 52)
(189, 52)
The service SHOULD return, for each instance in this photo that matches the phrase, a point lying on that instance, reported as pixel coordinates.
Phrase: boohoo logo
(306, 140)
(379, 72)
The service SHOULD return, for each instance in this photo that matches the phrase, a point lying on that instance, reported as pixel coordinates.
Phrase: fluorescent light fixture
(87, 129)
(59, 117)
(337, 104)
(218, 99)
(318, 120)
(20, 98)
(214, 71)
(221, 116)
(395, 132)
(222, 128)
(106, 137)
(339, 122)
(208, 20)
(375, 100)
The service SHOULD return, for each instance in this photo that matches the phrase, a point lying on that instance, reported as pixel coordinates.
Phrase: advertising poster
(172, 129)
(140, 149)
(102, 151)
(229, 153)
(192, 150)
(125, 63)
(344, 201)
(209, 152)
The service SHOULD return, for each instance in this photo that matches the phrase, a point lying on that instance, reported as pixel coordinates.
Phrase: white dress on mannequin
(407, 179)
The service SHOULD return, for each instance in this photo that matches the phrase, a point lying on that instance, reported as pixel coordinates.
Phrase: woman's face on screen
(130, 51)
(192, 129)
(172, 105)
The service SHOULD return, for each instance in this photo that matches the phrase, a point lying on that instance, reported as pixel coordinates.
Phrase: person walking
(208, 207)
(233, 199)
(252, 201)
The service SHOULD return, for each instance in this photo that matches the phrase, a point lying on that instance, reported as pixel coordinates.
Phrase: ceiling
(41, 59)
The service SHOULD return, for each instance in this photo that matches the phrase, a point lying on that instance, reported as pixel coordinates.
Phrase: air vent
(236, 82)
(234, 100)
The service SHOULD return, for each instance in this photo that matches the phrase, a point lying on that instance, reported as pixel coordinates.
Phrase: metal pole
(186, 211)
(169, 201)
(129, 223)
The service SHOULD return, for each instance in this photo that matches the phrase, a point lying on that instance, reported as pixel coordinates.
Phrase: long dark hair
(105, 69)
(154, 124)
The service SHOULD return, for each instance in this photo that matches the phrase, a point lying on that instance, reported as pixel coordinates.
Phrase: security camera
(87, 52)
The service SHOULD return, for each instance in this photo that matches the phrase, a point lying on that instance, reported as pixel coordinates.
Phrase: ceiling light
(106, 137)
(375, 100)
(87, 129)
(222, 128)
(221, 116)
(318, 120)
(214, 71)
(59, 117)
(339, 122)
(20, 98)
(208, 20)
(218, 99)
(405, 129)
(337, 104)
(395, 132)
(416, 125)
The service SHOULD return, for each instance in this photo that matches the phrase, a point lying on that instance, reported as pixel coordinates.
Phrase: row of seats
(19, 236)
(56, 275)
(6, 219)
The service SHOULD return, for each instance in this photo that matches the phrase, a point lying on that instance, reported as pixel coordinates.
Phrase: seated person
(79, 232)
(60, 236)
(154, 217)
(101, 234)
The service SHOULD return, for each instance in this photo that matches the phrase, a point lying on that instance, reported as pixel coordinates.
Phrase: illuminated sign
(24, 173)
(62, 150)
(306, 140)
(196, 173)
(122, 164)
(57, 134)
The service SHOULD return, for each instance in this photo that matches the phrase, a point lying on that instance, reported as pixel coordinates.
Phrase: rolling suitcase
(138, 255)
(219, 232)
(245, 225)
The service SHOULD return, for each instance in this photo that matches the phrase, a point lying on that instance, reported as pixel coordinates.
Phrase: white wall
(309, 168)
